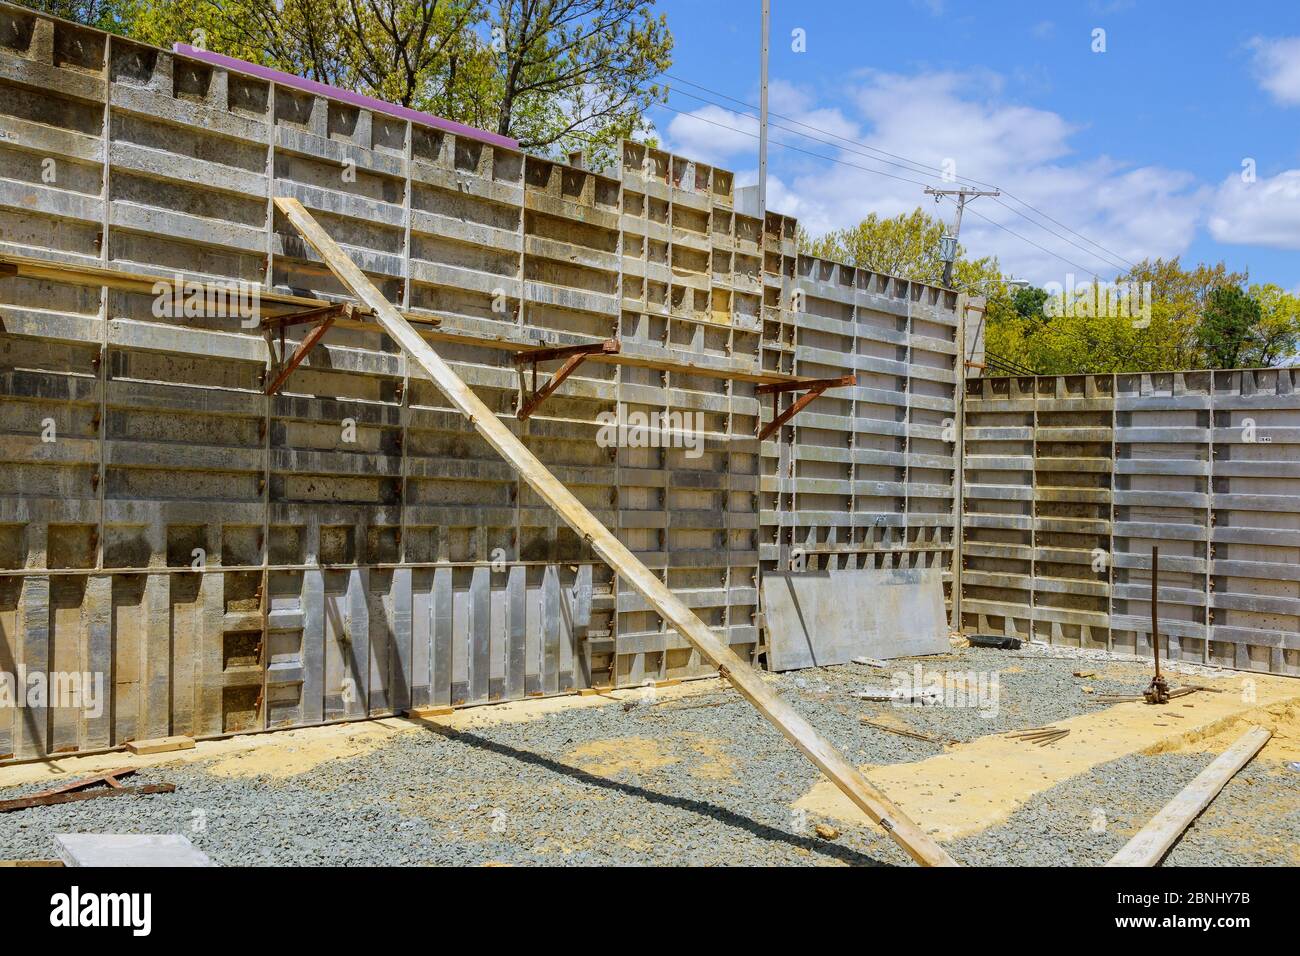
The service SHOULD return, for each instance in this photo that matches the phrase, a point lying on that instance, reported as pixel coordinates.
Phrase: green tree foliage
(1228, 326)
(558, 75)
(1277, 338)
(907, 245)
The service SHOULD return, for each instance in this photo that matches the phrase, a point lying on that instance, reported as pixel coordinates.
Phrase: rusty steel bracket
(79, 790)
(323, 317)
(573, 355)
(814, 389)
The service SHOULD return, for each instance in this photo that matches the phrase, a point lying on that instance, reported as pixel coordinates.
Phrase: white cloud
(712, 134)
(938, 118)
(960, 118)
(1277, 66)
(1262, 213)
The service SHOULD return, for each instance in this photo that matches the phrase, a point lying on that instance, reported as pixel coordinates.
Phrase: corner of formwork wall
(970, 364)
(959, 457)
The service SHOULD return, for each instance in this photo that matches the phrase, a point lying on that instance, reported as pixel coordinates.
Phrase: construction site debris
(994, 641)
(80, 790)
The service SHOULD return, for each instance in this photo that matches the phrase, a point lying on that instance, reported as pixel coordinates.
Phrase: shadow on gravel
(727, 817)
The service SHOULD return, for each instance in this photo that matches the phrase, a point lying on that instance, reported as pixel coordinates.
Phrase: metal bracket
(573, 355)
(814, 388)
(323, 317)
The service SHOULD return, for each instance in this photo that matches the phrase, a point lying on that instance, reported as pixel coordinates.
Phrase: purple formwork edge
(347, 96)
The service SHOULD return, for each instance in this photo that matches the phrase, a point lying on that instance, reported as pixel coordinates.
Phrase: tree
(107, 15)
(1278, 336)
(1182, 294)
(557, 75)
(1029, 302)
(577, 72)
(1174, 317)
(1229, 327)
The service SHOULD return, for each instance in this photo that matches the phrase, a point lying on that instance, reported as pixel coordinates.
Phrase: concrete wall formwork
(349, 546)
(1070, 482)
(866, 475)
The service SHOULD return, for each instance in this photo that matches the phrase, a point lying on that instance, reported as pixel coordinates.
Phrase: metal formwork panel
(1071, 481)
(347, 546)
(865, 476)
(689, 290)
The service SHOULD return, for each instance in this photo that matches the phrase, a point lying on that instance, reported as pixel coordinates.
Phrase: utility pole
(762, 118)
(948, 247)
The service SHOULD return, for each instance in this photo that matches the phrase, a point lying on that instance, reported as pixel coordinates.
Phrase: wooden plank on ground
(919, 845)
(1152, 842)
(160, 745)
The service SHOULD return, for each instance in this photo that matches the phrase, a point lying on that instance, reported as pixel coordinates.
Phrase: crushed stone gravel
(701, 780)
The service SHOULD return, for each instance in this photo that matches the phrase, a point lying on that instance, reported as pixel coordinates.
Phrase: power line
(917, 166)
(797, 149)
(827, 142)
(878, 172)
(1006, 229)
(1085, 249)
(920, 167)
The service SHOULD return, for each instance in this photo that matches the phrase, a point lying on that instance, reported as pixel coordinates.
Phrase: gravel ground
(701, 780)
(1254, 821)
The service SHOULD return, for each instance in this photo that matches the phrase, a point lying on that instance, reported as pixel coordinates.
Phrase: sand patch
(289, 752)
(980, 784)
(288, 759)
(617, 755)
(718, 764)
(1281, 718)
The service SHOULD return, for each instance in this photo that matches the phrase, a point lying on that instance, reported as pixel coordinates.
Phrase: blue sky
(1139, 148)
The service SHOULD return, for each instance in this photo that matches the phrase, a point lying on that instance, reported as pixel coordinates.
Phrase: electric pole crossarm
(948, 249)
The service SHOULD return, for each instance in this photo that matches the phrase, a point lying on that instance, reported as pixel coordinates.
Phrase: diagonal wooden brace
(815, 387)
(309, 341)
(573, 355)
(606, 544)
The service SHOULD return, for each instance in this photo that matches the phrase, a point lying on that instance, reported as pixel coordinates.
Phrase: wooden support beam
(796, 728)
(798, 386)
(80, 790)
(309, 341)
(276, 304)
(109, 777)
(607, 347)
(573, 355)
(1152, 842)
(815, 388)
(8, 269)
(299, 318)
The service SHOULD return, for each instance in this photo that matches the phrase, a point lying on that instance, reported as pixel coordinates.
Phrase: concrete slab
(129, 849)
(819, 618)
